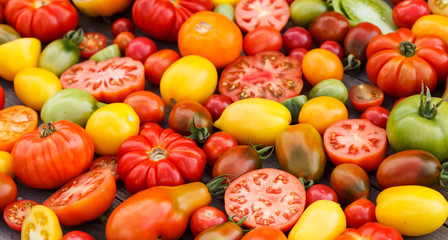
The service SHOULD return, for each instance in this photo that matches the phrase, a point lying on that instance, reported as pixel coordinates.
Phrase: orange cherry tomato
(320, 64)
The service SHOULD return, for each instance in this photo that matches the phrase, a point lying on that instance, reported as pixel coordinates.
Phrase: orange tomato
(320, 64)
(212, 36)
(16, 121)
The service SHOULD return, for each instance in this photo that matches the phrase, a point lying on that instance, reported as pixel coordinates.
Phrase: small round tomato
(15, 212)
(262, 38)
(365, 95)
(92, 43)
(320, 64)
(205, 218)
(377, 115)
(140, 48)
(297, 37)
(6, 164)
(407, 12)
(330, 87)
(2, 98)
(333, 47)
(188, 114)
(122, 40)
(148, 106)
(8, 190)
(264, 232)
(77, 235)
(122, 25)
(106, 161)
(22, 119)
(321, 112)
(216, 145)
(216, 104)
(40, 223)
(350, 182)
(329, 25)
(299, 54)
(250, 14)
(360, 212)
(157, 63)
(320, 192)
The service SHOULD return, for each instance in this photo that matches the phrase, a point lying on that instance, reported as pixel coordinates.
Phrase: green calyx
(217, 186)
(407, 49)
(46, 129)
(443, 176)
(263, 153)
(427, 109)
(351, 64)
(199, 134)
(75, 37)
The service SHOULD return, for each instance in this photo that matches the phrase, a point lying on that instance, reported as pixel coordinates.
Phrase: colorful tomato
(191, 119)
(104, 8)
(320, 64)
(19, 54)
(227, 230)
(41, 222)
(297, 37)
(279, 198)
(77, 235)
(350, 182)
(20, 118)
(111, 51)
(262, 38)
(365, 95)
(8, 191)
(250, 14)
(303, 11)
(329, 25)
(140, 48)
(360, 212)
(148, 106)
(122, 40)
(225, 9)
(212, 36)
(106, 161)
(264, 232)
(407, 12)
(299, 54)
(370, 231)
(331, 88)
(206, 217)
(217, 144)
(377, 115)
(7, 34)
(6, 164)
(432, 24)
(122, 25)
(294, 105)
(92, 42)
(15, 212)
(320, 192)
(157, 63)
(357, 39)
(216, 104)
(437, 7)
(333, 47)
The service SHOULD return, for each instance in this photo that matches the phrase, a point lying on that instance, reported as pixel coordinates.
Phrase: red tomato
(250, 14)
(122, 25)
(8, 190)
(297, 37)
(216, 104)
(106, 161)
(262, 38)
(77, 235)
(333, 47)
(360, 212)
(329, 25)
(110, 81)
(365, 95)
(2, 98)
(83, 198)
(162, 19)
(148, 106)
(157, 63)
(356, 141)
(181, 120)
(15, 212)
(46, 20)
(357, 39)
(298, 53)
(405, 13)
(264, 233)
(205, 218)
(320, 192)
(1, 13)
(377, 115)
(268, 75)
(267, 197)
(140, 48)
(370, 231)
(92, 43)
(122, 40)
(216, 145)
(350, 182)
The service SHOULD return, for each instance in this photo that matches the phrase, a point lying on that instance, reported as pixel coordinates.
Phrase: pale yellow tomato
(5, 164)
(17, 55)
(41, 223)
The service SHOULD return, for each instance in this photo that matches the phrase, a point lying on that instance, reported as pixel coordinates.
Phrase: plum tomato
(122, 25)
(262, 38)
(377, 115)
(157, 63)
(216, 104)
(333, 47)
(365, 95)
(140, 48)
(297, 37)
(405, 13)
(320, 192)
(329, 25)
(205, 218)
(122, 40)
(350, 182)
(216, 145)
(92, 43)
(148, 106)
(360, 212)
(15, 212)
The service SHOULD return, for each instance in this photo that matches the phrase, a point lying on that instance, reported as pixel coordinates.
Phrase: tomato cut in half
(268, 74)
(266, 197)
(16, 121)
(92, 43)
(356, 141)
(106, 161)
(108, 81)
(365, 95)
(15, 212)
(250, 14)
(84, 198)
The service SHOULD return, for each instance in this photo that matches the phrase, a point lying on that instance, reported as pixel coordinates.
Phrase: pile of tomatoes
(127, 122)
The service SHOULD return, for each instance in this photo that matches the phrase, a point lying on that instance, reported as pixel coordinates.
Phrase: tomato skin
(8, 191)
(148, 106)
(320, 64)
(303, 11)
(6, 164)
(92, 43)
(377, 115)
(371, 231)
(1, 13)
(122, 25)
(77, 235)
(297, 37)
(182, 114)
(329, 25)
(299, 54)
(122, 40)
(217, 144)
(300, 151)
(206, 217)
(357, 39)
(331, 88)
(264, 232)
(263, 38)
(333, 47)
(104, 8)
(320, 192)
(10, 117)
(216, 104)
(226, 231)
(21, 53)
(252, 13)
(360, 212)
(15, 212)
(405, 13)
(140, 48)
(350, 182)
(157, 63)
(365, 95)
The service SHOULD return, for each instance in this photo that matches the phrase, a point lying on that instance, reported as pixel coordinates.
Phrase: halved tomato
(106, 161)
(92, 43)
(108, 81)
(15, 212)
(250, 14)
(365, 95)
(268, 74)
(16, 121)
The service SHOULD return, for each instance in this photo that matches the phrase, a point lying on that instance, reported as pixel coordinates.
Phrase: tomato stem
(200, 134)
(75, 37)
(407, 49)
(306, 183)
(269, 150)
(443, 176)
(46, 129)
(216, 187)
(351, 64)
(427, 109)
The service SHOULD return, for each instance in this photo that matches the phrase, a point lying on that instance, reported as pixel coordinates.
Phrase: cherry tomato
(360, 212)
(329, 25)
(250, 14)
(205, 218)
(350, 182)
(297, 37)
(148, 106)
(122, 25)
(2, 98)
(320, 192)
(320, 64)
(15, 212)
(92, 43)
(405, 13)
(8, 190)
(77, 235)
(140, 48)
(106, 161)
(122, 40)
(357, 39)
(299, 54)
(365, 95)
(216, 104)
(216, 145)
(182, 114)
(264, 233)
(333, 47)
(157, 63)
(377, 115)
(262, 38)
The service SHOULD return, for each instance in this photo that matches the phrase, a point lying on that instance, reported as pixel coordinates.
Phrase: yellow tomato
(230, 2)
(432, 24)
(320, 64)
(41, 223)
(256, 119)
(110, 125)
(412, 210)
(321, 112)
(322, 220)
(104, 8)
(5, 164)
(17, 55)
(189, 78)
(34, 86)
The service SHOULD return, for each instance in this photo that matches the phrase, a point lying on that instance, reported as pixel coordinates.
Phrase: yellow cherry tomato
(5, 164)
(104, 8)
(189, 78)
(412, 210)
(322, 220)
(34, 86)
(432, 24)
(41, 223)
(320, 64)
(110, 125)
(17, 55)
(321, 112)
(256, 119)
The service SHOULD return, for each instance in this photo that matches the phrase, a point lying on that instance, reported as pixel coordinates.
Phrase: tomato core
(407, 49)
(47, 129)
(38, 4)
(202, 27)
(157, 154)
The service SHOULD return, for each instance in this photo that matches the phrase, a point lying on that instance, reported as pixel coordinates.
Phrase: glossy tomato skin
(2, 98)
(365, 95)
(333, 47)
(216, 145)
(357, 39)
(329, 25)
(405, 13)
(15, 212)
(360, 212)
(216, 104)
(350, 182)
(299, 54)
(263, 38)
(92, 43)
(122, 25)
(157, 63)
(8, 190)
(182, 114)
(252, 13)
(320, 64)
(264, 232)
(122, 40)
(206, 217)
(226, 230)
(297, 37)
(148, 106)
(59, 152)
(140, 48)
(300, 151)
(372, 231)
(320, 192)
(425, 169)
(77, 235)
(377, 115)
(10, 117)
(303, 11)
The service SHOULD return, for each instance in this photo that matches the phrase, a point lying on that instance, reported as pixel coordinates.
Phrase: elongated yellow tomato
(322, 220)
(189, 78)
(110, 125)
(256, 119)
(412, 210)
(432, 24)
(17, 55)
(5, 164)
(104, 8)
(41, 223)
(29, 79)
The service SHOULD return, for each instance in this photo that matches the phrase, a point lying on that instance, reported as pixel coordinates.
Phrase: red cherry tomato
(15, 212)
(365, 95)
(377, 115)
(122, 25)
(261, 39)
(92, 43)
(333, 47)
(148, 106)
(2, 98)
(405, 13)
(184, 111)
(216, 104)
(329, 25)
(77, 235)
(360, 212)
(122, 40)
(205, 218)
(140, 48)
(106, 161)
(297, 37)
(216, 145)
(8, 190)
(298, 53)
(157, 63)
(320, 192)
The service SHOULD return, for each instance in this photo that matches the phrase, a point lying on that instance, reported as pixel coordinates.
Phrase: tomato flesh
(365, 95)
(92, 43)
(250, 14)
(16, 121)
(15, 212)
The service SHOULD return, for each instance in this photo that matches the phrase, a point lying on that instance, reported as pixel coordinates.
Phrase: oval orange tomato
(320, 64)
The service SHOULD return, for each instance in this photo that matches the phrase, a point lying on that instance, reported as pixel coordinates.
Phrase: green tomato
(330, 87)
(226, 10)
(303, 11)
(294, 105)
(72, 104)
(7, 33)
(106, 53)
